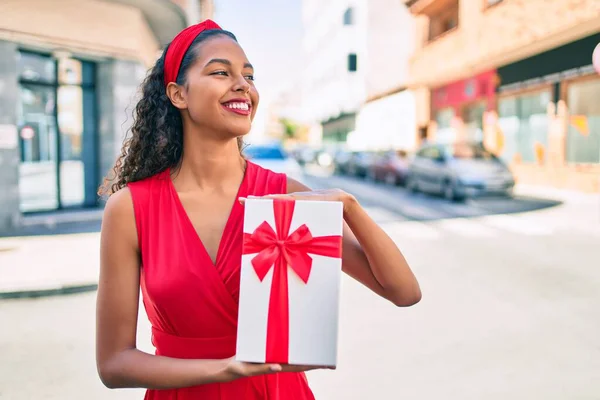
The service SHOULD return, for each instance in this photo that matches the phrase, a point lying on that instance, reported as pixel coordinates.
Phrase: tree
(290, 128)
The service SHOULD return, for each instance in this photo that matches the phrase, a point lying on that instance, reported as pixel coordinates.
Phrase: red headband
(180, 45)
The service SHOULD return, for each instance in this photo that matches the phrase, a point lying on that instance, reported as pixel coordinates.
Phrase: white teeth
(237, 106)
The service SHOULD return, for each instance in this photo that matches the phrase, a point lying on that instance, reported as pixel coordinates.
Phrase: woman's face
(220, 94)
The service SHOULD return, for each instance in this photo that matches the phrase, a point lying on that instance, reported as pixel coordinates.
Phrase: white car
(274, 158)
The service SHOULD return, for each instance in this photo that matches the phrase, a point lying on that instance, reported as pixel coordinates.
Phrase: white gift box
(290, 282)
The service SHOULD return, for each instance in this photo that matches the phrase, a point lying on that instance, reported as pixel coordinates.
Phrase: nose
(241, 85)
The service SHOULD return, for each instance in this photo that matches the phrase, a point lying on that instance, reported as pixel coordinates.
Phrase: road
(509, 310)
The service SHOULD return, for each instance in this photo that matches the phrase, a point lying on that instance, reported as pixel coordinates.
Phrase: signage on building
(9, 138)
(27, 133)
(481, 86)
(548, 79)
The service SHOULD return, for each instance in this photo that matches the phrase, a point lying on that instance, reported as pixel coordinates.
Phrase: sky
(270, 32)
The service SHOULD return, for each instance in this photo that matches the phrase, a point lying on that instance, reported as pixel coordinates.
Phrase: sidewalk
(59, 253)
(53, 254)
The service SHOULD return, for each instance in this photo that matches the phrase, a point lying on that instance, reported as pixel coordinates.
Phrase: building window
(349, 16)
(583, 135)
(524, 127)
(443, 21)
(352, 62)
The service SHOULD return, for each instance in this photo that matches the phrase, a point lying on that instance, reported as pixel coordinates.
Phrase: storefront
(69, 74)
(458, 109)
(336, 130)
(548, 125)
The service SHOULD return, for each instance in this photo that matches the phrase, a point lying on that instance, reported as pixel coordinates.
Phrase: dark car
(391, 168)
(458, 171)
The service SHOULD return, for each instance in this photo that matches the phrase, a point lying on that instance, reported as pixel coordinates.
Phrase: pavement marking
(411, 230)
(517, 224)
(466, 227)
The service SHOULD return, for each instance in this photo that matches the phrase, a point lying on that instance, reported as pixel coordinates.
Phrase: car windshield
(264, 153)
(469, 152)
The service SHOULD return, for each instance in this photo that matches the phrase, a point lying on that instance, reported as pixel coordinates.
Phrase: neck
(208, 162)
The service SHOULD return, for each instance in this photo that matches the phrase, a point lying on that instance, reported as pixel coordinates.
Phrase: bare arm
(369, 255)
(120, 364)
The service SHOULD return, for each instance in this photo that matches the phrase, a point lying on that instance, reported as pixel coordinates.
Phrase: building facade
(356, 51)
(69, 74)
(517, 76)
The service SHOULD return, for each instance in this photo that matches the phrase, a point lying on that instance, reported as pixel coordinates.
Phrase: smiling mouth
(238, 107)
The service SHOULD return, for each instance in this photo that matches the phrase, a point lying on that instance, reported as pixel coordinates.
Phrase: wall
(509, 31)
(90, 27)
(328, 88)
(390, 44)
(117, 97)
(9, 150)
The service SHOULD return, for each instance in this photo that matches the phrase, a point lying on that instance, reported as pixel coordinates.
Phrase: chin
(239, 129)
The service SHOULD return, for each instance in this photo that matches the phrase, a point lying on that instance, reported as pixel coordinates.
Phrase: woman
(173, 226)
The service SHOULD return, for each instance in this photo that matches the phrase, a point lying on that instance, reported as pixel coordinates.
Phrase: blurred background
(469, 129)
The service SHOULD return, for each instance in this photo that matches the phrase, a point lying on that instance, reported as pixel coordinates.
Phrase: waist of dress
(188, 347)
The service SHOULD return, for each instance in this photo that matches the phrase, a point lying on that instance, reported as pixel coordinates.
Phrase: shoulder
(119, 205)
(119, 217)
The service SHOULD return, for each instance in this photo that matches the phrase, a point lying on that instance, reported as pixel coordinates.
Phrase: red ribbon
(278, 249)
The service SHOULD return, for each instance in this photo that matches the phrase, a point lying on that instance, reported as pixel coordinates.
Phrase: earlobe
(176, 94)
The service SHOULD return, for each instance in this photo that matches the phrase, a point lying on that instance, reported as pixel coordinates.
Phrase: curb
(58, 291)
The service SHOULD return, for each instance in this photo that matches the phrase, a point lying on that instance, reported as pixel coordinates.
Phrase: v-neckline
(230, 218)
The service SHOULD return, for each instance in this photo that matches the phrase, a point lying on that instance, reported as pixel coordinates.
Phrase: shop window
(349, 16)
(352, 62)
(524, 127)
(472, 116)
(583, 134)
(36, 68)
(445, 132)
(443, 21)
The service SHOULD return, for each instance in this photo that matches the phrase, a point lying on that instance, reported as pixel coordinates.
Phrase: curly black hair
(156, 141)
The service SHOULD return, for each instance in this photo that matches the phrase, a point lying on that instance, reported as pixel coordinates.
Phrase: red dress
(192, 303)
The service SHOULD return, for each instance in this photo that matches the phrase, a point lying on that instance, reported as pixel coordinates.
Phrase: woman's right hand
(237, 369)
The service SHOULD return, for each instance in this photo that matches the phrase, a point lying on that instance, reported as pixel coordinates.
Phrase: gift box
(290, 282)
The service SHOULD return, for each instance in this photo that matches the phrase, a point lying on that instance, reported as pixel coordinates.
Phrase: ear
(177, 95)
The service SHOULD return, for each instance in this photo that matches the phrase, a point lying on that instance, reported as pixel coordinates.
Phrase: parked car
(458, 171)
(391, 168)
(360, 162)
(273, 157)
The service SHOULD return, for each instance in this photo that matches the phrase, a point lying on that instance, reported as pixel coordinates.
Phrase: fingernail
(275, 368)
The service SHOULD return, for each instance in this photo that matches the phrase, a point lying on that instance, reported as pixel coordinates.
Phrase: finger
(260, 369)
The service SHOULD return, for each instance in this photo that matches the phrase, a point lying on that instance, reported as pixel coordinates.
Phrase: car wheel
(411, 184)
(391, 179)
(371, 176)
(450, 193)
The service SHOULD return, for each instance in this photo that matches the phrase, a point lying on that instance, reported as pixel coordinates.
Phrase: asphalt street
(509, 311)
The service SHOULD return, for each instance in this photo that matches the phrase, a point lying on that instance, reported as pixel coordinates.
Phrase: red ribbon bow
(278, 249)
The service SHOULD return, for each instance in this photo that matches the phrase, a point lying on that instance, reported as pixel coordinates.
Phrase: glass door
(57, 124)
(38, 138)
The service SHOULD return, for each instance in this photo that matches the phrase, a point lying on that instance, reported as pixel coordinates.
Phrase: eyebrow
(225, 62)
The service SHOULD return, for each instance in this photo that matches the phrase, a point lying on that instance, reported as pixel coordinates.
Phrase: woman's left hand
(315, 195)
